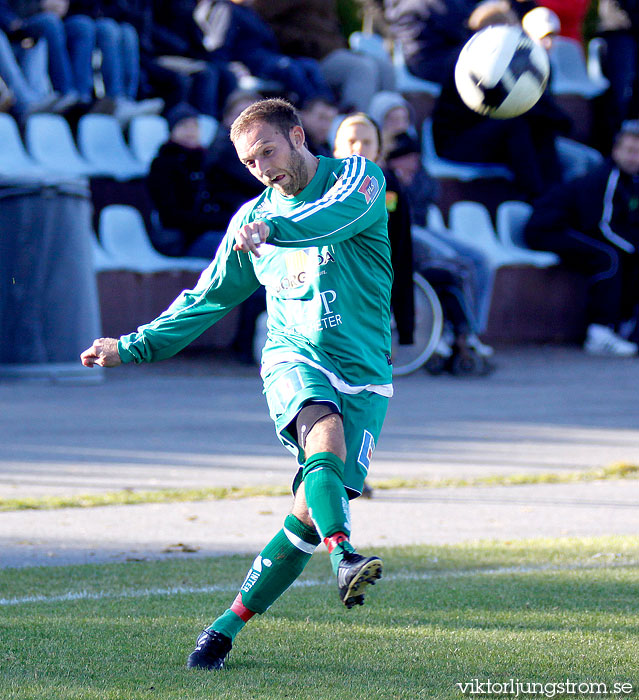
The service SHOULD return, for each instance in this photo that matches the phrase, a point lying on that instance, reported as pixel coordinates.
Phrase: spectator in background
(575, 158)
(311, 28)
(618, 25)
(69, 46)
(181, 191)
(231, 30)
(170, 60)
(571, 14)
(592, 223)
(231, 183)
(431, 33)
(392, 114)
(526, 144)
(542, 26)
(118, 42)
(404, 158)
(318, 115)
(21, 94)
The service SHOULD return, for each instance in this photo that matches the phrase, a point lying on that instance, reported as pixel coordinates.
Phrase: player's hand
(251, 236)
(103, 352)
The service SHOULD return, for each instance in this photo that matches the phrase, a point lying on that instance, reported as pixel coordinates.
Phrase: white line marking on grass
(311, 583)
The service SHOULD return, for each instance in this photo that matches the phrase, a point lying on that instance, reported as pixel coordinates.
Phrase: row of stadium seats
(101, 150)
(125, 244)
(503, 244)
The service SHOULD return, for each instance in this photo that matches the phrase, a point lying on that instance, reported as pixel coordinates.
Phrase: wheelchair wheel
(428, 329)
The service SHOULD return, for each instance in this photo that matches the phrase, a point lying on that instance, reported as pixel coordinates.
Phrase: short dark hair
(310, 103)
(275, 111)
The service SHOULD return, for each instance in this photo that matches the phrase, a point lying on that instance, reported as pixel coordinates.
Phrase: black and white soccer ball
(501, 72)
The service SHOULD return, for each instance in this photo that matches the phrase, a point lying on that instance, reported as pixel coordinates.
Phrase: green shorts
(290, 385)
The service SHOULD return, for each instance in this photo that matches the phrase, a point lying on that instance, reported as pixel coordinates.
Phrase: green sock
(325, 494)
(228, 623)
(273, 571)
(328, 502)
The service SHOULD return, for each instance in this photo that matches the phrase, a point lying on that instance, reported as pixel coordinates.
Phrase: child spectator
(181, 192)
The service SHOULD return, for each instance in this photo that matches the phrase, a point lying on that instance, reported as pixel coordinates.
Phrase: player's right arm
(103, 352)
(227, 282)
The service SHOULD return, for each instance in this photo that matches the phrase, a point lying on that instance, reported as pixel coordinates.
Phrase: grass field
(545, 612)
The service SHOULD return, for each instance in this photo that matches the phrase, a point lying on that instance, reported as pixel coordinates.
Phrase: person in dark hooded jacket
(592, 223)
(192, 221)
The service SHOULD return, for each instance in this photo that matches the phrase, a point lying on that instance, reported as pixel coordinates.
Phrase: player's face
(358, 138)
(625, 153)
(276, 161)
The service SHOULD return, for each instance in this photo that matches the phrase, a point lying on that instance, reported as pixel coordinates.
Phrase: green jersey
(327, 273)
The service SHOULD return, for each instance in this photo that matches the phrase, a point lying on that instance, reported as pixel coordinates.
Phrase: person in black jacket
(182, 193)
(592, 223)
(317, 115)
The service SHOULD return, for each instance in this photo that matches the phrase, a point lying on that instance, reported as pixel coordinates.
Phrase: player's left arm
(352, 205)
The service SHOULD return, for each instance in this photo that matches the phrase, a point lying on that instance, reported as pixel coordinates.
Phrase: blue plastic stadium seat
(511, 218)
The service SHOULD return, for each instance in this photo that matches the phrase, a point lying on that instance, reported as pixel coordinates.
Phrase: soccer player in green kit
(317, 240)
